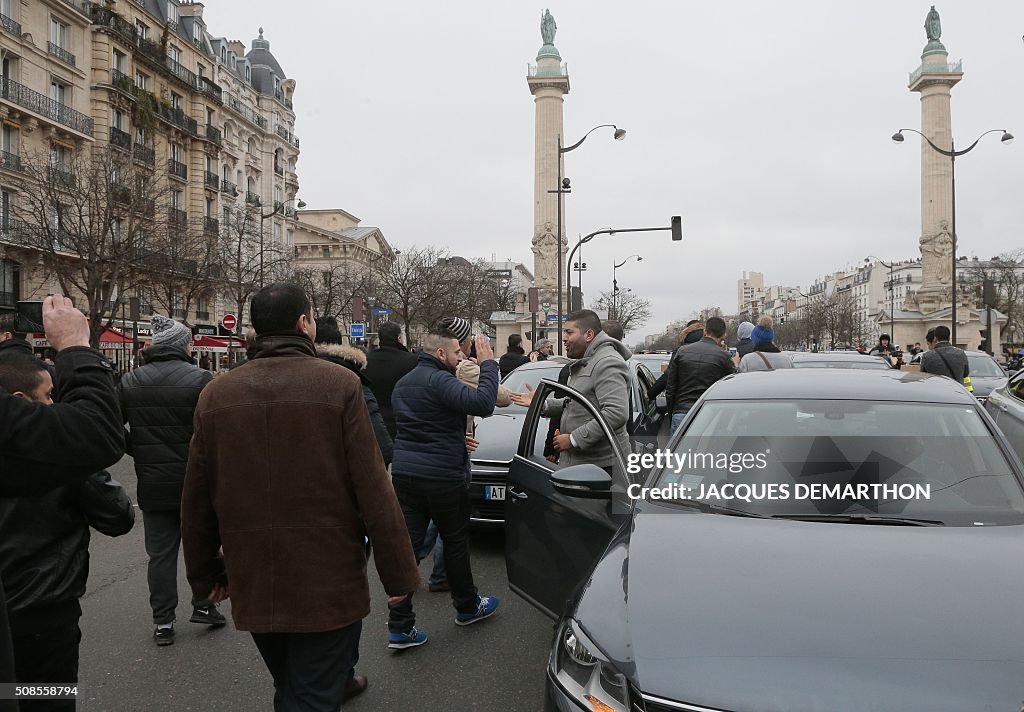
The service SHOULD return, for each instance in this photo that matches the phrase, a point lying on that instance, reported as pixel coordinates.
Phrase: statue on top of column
(548, 27)
(932, 25)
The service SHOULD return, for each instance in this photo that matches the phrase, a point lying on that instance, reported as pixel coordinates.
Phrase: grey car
(986, 374)
(672, 601)
(1006, 406)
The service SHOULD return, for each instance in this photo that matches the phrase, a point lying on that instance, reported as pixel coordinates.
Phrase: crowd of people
(278, 478)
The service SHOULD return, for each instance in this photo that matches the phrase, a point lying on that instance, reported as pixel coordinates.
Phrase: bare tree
(630, 309)
(1007, 272)
(414, 286)
(97, 218)
(246, 260)
(331, 288)
(181, 267)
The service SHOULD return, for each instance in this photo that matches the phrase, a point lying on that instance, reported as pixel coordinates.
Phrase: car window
(521, 377)
(946, 449)
(645, 379)
(572, 416)
(1016, 385)
(984, 367)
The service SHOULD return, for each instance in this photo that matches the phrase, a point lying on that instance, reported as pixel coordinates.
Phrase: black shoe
(355, 687)
(208, 615)
(164, 636)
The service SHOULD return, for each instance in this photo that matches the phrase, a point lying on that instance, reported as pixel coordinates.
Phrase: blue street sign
(356, 331)
(554, 317)
(382, 312)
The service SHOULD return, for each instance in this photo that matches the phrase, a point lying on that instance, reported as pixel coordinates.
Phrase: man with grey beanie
(158, 401)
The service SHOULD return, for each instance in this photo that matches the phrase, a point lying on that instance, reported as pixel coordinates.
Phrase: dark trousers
(163, 540)
(446, 502)
(51, 657)
(310, 670)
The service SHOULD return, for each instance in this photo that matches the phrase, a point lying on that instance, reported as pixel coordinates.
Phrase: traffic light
(782, 320)
(677, 228)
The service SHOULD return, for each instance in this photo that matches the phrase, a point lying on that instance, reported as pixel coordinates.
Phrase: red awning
(113, 336)
(217, 344)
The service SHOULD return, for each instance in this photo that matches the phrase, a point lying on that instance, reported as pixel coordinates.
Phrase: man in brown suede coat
(280, 475)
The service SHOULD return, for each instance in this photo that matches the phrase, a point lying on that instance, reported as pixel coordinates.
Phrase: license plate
(494, 492)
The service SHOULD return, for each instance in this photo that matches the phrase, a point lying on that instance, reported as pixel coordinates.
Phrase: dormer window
(197, 33)
(172, 12)
(248, 73)
(224, 54)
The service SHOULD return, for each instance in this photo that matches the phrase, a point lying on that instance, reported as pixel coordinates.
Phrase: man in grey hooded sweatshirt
(600, 375)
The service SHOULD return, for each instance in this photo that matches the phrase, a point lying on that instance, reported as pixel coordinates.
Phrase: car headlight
(585, 674)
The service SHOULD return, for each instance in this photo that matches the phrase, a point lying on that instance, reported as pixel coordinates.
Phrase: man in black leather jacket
(695, 367)
(42, 447)
(159, 401)
(44, 551)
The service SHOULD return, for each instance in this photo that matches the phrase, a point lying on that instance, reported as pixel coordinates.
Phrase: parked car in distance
(840, 603)
(986, 374)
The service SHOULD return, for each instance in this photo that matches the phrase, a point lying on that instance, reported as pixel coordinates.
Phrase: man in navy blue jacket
(429, 471)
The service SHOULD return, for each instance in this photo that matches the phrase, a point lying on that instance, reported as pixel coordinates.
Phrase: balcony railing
(186, 75)
(210, 225)
(105, 17)
(287, 136)
(179, 118)
(10, 25)
(144, 154)
(211, 180)
(147, 206)
(120, 138)
(177, 216)
(211, 89)
(60, 53)
(213, 133)
(228, 187)
(41, 104)
(81, 6)
(60, 176)
(122, 81)
(252, 198)
(245, 112)
(177, 169)
(120, 194)
(10, 161)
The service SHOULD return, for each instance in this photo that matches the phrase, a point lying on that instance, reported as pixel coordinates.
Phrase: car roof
(826, 384)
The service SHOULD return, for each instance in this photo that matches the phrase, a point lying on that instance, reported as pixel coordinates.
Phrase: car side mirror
(584, 481)
(661, 404)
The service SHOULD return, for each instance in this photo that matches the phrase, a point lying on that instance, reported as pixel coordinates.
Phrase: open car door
(558, 521)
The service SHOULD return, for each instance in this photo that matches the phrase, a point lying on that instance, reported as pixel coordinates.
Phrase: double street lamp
(892, 300)
(278, 207)
(562, 189)
(953, 154)
(615, 284)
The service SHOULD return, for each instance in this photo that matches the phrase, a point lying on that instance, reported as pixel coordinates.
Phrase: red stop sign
(229, 322)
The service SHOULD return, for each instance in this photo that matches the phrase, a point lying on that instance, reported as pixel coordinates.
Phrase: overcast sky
(765, 125)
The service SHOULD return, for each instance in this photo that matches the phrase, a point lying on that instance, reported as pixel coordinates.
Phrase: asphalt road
(495, 664)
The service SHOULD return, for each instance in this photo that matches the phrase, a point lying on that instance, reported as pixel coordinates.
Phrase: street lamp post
(562, 189)
(892, 300)
(263, 217)
(953, 153)
(615, 284)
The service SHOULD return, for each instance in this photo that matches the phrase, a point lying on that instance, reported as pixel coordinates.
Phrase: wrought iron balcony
(61, 176)
(179, 118)
(211, 89)
(177, 169)
(10, 25)
(120, 138)
(43, 105)
(10, 161)
(245, 112)
(210, 225)
(122, 81)
(105, 17)
(147, 206)
(177, 217)
(120, 194)
(144, 154)
(252, 198)
(211, 180)
(228, 187)
(213, 133)
(181, 72)
(60, 53)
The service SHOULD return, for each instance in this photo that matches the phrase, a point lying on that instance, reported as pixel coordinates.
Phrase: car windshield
(864, 363)
(847, 458)
(984, 367)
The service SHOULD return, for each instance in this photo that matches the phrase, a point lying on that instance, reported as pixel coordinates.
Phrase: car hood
(780, 616)
(499, 435)
(983, 385)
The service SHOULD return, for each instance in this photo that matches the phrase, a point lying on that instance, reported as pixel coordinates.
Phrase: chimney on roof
(238, 47)
(187, 8)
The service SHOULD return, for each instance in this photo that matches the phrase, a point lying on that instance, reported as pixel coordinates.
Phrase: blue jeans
(677, 420)
(438, 575)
